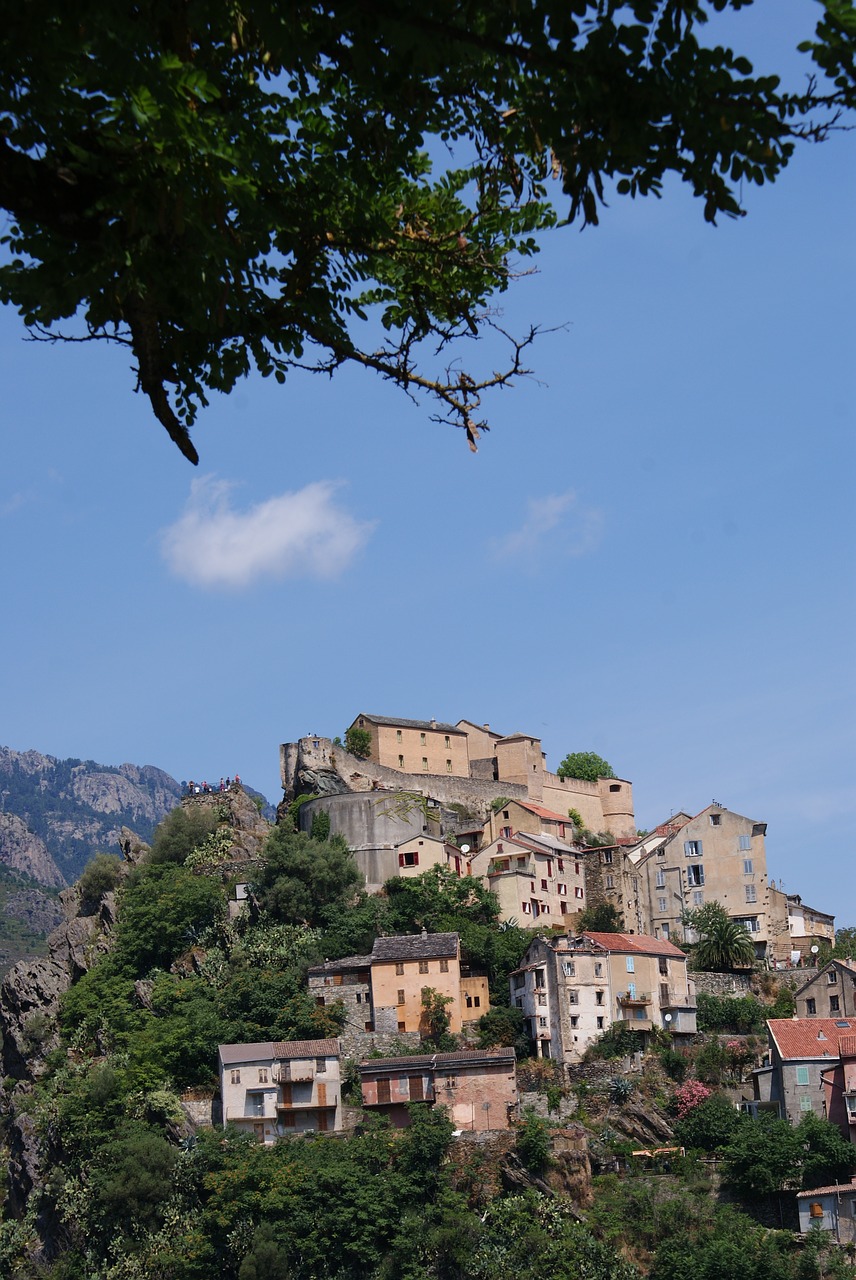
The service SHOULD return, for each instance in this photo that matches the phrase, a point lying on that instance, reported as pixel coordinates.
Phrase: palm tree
(723, 943)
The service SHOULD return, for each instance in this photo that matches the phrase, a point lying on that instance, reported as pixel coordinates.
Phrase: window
(569, 968)
(539, 978)
(598, 969)
(408, 859)
(505, 813)
(542, 998)
(747, 866)
(560, 863)
(749, 923)
(716, 819)
(526, 909)
(664, 929)
(447, 742)
(831, 978)
(607, 857)
(423, 966)
(805, 1102)
(578, 893)
(263, 1075)
(422, 739)
(811, 1010)
(398, 735)
(400, 999)
(692, 848)
(598, 997)
(615, 786)
(505, 832)
(562, 890)
(402, 1026)
(444, 966)
(802, 1075)
(469, 1002)
(543, 886)
(600, 1024)
(287, 1120)
(744, 842)
(695, 874)
(563, 906)
(401, 762)
(542, 1022)
(575, 1019)
(750, 892)
(424, 764)
(663, 965)
(549, 866)
(399, 967)
(573, 997)
(477, 1001)
(834, 1004)
(610, 882)
(320, 1066)
(698, 897)
(448, 766)
(631, 964)
(235, 1077)
(661, 904)
(661, 879)
(359, 998)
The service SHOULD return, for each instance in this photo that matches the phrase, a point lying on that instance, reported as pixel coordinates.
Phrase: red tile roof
(847, 1046)
(636, 943)
(799, 1037)
(541, 812)
(827, 1191)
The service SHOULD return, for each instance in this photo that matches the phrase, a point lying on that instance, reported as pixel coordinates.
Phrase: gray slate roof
(345, 965)
(461, 1058)
(416, 946)
(398, 723)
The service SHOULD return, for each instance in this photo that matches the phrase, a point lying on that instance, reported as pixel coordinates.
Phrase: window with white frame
(751, 895)
(692, 848)
(661, 879)
(695, 874)
(698, 897)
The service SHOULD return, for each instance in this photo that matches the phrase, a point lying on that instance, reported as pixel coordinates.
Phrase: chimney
(486, 728)
(433, 724)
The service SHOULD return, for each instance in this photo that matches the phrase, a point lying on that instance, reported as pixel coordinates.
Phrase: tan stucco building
(573, 988)
(535, 878)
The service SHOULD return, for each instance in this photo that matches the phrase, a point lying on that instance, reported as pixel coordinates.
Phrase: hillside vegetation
(119, 1184)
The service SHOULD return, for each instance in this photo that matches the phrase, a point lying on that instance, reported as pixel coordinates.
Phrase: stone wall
(722, 984)
(315, 764)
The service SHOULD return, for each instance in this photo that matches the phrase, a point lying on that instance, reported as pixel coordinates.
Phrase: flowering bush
(689, 1096)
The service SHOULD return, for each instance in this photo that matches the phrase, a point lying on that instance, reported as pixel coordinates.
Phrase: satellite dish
(667, 1017)
(465, 848)
(815, 949)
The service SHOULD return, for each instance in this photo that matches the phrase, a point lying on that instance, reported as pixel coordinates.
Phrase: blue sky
(651, 556)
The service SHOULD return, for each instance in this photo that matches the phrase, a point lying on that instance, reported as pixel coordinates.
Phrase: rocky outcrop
(249, 829)
(21, 850)
(55, 814)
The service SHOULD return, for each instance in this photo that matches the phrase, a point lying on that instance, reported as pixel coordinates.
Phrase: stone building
(272, 1089)
(831, 993)
(807, 927)
(383, 992)
(573, 988)
(477, 1088)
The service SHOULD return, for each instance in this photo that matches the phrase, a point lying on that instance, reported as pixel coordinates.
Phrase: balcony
(307, 1105)
(671, 999)
(239, 1113)
(634, 999)
(286, 1073)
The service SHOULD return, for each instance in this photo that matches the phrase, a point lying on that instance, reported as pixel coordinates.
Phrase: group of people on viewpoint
(206, 789)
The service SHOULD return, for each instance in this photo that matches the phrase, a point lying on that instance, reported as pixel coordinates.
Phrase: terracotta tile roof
(847, 1046)
(306, 1049)
(232, 1054)
(636, 943)
(415, 946)
(798, 1037)
(461, 1058)
(398, 723)
(849, 1187)
(541, 812)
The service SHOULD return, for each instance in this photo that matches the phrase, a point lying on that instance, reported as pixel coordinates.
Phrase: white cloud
(573, 530)
(300, 534)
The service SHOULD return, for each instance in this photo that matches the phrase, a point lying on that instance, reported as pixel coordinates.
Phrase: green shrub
(100, 876)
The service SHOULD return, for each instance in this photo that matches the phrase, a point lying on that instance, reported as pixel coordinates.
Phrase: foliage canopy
(588, 766)
(219, 187)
